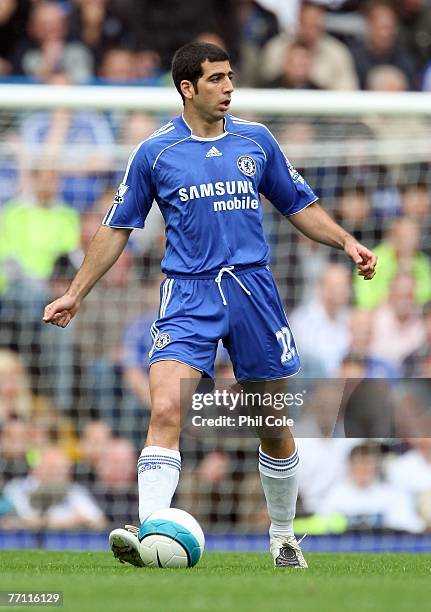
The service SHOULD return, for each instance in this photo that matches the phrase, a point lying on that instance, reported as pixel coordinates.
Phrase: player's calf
(165, 423)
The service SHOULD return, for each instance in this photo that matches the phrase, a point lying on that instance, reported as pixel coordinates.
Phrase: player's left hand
(364, 259)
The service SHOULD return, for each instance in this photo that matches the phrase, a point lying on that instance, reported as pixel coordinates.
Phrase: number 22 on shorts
(284, 337)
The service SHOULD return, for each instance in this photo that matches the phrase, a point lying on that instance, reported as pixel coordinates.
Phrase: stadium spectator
(398, 328)
(147, 67)
(385, 77)
(416, 204)
(417, 201)
(212, 490)
(19, 401)
(115, 488)
(332, 67)
(367, 501)
(123, 66)
(416, 364)
(415, 28)
(13, 17)
(79, 143)
(381, 45)
(34, 230)
(369, 407)
(97, 25)
(393, 132)
(121, 35)
(47, 50)
(37, 227)
(297, 68)
(411, 472)
(136, 127)
(117, 66)
(96, 436)
(104, 312)
(399, 253)
(137, 343)
(352, 366)
(321, 325)
(287, 14)
(186, 20)
(299, 136)
(11, 162)
(319, 444)
(354, 212)
(16, 399)
(60, 366)
(309, 262)
(213, 473)
(99, 330)
(361, 336)
(27, 437)
(48, 498)
(390, 131)
(14, 444)
(257, 26)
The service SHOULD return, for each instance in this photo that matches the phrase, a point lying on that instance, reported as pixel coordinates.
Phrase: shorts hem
(179, 361)
(263, 379)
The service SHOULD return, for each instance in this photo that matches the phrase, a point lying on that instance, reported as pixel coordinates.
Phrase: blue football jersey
(208, 191)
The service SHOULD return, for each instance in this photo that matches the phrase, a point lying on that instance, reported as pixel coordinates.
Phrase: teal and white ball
(171, 538)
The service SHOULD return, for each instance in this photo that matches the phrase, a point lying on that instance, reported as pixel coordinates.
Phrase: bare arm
(316, 224)
(104, 250)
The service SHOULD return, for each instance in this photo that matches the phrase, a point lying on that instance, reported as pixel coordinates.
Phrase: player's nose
(228, 86)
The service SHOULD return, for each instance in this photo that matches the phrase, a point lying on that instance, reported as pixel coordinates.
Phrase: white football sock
(280, 485)
(158, 475)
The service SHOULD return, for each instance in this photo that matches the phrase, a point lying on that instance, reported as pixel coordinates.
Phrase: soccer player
(206, 169)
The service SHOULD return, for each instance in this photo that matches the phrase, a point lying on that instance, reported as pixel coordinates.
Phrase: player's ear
(187, 89)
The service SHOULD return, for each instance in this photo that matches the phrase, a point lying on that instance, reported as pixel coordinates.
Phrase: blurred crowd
(295, 44)
(74, 403)
(54, 477)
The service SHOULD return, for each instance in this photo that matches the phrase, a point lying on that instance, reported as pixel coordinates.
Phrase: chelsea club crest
(162, 340)
(247, 165)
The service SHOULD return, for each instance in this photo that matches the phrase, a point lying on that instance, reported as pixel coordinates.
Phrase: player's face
(214, 90)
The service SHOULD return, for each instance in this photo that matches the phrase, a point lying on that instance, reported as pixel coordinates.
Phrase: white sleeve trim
(132, 227)
(303, 208)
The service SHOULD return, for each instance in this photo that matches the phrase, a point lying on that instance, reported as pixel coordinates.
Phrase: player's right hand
(61, 311)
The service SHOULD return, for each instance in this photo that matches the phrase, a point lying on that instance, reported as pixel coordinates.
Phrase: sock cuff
(156, 457)
(278, 468)
(168, 452)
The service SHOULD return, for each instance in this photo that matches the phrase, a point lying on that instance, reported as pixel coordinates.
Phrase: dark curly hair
(188, 59)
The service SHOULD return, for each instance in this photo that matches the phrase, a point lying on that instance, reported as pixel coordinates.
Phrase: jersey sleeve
(281, 184)
(135, 195)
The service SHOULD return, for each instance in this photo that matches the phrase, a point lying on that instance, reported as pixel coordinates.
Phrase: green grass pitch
(222, 582)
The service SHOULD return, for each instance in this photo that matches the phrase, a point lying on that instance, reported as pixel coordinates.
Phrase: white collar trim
(225, 133)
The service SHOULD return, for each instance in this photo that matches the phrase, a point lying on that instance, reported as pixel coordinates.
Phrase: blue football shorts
(240, 306)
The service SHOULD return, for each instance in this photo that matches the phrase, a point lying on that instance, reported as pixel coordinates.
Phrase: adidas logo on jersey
(213, 152)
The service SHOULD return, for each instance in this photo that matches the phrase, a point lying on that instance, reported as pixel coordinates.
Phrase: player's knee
(165, 414)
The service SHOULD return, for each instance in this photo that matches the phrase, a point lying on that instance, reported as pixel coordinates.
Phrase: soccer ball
(171, 538)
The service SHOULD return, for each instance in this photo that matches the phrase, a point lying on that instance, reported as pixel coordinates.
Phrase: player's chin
(222, 110)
